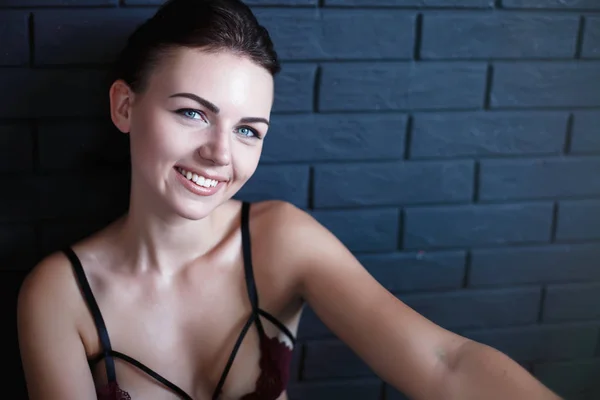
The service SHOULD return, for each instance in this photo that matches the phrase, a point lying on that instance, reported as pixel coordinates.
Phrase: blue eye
(248, 132)
(191, 114)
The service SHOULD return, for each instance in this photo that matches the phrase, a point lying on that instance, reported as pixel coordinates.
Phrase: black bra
(277, 383)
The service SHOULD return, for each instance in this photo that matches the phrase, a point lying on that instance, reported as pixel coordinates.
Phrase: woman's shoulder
(49, 291)
(285, 233)
(275, 213)
(280, 222)
(52, 275)
(52, 282)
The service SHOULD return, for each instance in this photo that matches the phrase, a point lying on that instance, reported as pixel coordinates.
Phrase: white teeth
(198, 179)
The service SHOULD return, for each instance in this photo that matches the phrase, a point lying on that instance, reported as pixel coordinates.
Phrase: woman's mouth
(197, 179)
(198, 184)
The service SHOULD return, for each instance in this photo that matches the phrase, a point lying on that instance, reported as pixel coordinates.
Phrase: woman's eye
(248, 132)
(191, 114)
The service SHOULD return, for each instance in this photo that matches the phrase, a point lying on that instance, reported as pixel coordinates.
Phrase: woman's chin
(194, 212)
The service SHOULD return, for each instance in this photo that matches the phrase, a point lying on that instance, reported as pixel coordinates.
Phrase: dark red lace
(112, 391)
(274, 363)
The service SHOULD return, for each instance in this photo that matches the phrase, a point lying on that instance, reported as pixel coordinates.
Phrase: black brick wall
(471, 129)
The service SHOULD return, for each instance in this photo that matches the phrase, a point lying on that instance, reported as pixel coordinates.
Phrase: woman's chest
(193, 340)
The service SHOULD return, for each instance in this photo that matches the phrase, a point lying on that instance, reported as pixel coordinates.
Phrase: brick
(393, 183)
(472, 134)
(282, 2)
(104, 195)
(57, 234)
(315, 137)
(63, 146)
(478, 308)
(57, 3)
(571, 379)
(363, 230)
(586, 134)
(477, 225)
(20, 203)
(363, 34)
(412, 271)
(552, 4)
(413, 3)
(544, 84)
(301, 34)
(392, 394)
(311, 326)
(541, 343)
(9, 286)
(53, 93)
(296, 33)
(73, 36)
(534, 264)
(498, 36)
(539, 178)
(248, 2)
(571, 302)
(16, 152)
(401, 86)
(356, 389)
(296, 363)
(591, 38)
(17, 247)
(578, 220)
(288, 183)
(329, 359)
(146, 2)
(294, 88)
(14, 37)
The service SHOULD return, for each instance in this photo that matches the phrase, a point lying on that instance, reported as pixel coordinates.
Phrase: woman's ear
(121, 100)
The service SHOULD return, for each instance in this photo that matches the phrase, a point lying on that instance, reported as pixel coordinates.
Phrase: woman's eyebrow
(198, 100)
(249, 120)
(212, 107)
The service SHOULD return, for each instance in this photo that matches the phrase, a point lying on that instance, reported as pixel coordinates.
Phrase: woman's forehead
(224, 78)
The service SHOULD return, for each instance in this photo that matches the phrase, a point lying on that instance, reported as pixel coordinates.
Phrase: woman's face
(197, 130)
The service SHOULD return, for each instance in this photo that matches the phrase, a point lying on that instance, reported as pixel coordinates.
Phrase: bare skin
(169, 280)
(183, 325)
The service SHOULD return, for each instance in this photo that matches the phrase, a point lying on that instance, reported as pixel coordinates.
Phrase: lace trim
(275, 361)
(112, 391)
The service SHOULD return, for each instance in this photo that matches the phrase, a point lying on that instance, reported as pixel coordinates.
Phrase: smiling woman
(202, 112)
(174, 299)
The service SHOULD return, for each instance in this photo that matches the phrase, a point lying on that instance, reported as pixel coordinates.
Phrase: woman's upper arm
(402, 347)
(52, 353)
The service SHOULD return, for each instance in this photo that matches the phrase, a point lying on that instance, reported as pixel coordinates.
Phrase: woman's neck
(163, 243)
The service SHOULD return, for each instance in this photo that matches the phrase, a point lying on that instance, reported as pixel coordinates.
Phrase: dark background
(453, 145)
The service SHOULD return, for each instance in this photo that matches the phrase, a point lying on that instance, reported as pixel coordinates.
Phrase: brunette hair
(210, 25)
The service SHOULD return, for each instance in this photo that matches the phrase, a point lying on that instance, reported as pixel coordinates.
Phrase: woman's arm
(405, 349)
(52, 353)
(479, 370)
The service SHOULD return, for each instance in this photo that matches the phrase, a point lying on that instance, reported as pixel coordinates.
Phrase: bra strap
(247, 252)
(252, 294)
(96, 314)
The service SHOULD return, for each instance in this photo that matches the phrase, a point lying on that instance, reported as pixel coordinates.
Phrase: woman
(194, 295)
